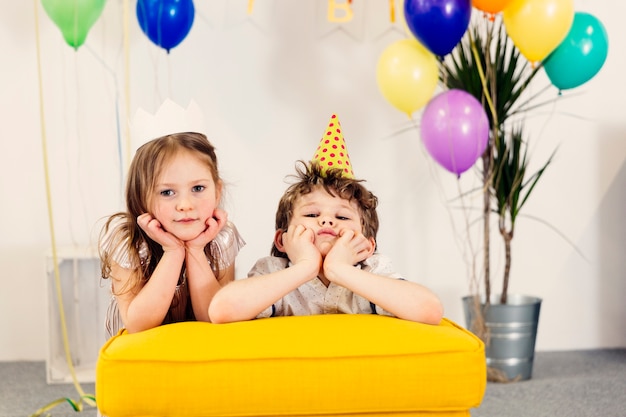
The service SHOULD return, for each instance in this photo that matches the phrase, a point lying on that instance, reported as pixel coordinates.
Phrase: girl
(173, 248)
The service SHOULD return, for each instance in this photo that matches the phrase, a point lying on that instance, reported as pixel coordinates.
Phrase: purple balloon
(455, 130)
(438, 24)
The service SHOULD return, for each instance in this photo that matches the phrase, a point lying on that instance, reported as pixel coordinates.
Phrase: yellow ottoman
(330, 365)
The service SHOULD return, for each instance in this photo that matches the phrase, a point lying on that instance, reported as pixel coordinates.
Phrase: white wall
(267, 84)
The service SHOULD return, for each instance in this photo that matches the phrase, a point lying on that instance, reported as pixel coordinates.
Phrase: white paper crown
(169, 118)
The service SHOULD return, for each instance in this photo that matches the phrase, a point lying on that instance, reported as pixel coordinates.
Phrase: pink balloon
(455, 130)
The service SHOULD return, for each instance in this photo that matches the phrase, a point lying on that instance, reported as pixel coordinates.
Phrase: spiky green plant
(487, 65)
(511, 188)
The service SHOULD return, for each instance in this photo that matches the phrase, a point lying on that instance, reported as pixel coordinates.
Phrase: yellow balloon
(537, 27)
(407, 75)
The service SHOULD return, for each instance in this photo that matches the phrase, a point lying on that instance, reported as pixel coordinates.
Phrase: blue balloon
(439, 25)
(582, 53)
(165, 22)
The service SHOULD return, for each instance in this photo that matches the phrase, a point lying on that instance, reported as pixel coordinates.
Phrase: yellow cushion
(292, 366)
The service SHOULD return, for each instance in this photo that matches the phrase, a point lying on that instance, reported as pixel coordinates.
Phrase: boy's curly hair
(309, 176)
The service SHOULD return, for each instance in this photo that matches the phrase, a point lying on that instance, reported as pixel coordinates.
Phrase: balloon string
(483, 79)
(77, 406)
(89, 399)
(126, 13)
(118, 128)
(464, 244)
(119, 142)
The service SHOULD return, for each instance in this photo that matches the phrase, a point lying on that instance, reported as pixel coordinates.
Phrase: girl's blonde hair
(309, 176)
(121, 234)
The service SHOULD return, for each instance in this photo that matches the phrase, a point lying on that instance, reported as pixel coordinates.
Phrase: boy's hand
(300, 247)
(156, 232)
(349, 249)
(214, 225)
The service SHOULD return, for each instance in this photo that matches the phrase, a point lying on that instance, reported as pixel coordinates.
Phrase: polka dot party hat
(332, 152)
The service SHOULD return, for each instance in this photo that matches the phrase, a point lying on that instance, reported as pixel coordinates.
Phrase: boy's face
(185, 196)
(326, 216)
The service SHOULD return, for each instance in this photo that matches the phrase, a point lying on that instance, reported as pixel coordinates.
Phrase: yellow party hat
(332, 152)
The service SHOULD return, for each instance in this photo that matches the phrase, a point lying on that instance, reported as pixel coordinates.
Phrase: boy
(324, 258)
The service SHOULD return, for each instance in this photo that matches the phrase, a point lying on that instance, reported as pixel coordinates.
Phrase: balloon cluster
(166, 22)
(571, 46)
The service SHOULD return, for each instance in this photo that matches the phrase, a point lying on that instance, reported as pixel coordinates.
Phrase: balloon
(490, 6)
(580, 56)
(407, 75)
(438, 24)
(165, 22)
(455, 130)
(537, 27)
(74, 18)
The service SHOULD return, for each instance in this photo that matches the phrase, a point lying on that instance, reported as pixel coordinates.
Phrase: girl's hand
(299, 243)
(214, 225)
(155, 231)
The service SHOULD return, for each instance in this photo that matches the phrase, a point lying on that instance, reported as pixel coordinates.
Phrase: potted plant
(487, 65)
(487, 70)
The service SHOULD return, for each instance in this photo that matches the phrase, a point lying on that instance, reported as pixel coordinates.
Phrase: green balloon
(581, 54)
(74, 17)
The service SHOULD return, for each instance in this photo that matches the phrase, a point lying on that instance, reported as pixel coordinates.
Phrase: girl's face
(327, 216)
(185, 196)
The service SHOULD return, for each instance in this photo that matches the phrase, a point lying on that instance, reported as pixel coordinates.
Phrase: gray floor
(569, 384)
(23, 390)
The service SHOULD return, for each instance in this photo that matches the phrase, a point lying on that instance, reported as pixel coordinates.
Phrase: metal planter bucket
(512, 332)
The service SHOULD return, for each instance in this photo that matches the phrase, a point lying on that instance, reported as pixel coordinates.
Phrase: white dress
(228, 242)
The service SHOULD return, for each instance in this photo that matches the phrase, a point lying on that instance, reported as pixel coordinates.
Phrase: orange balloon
(490, 6)
(537, 27)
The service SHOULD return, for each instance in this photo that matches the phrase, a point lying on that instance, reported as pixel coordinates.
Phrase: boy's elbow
(220, 310)
(434, 312)
(430, 312)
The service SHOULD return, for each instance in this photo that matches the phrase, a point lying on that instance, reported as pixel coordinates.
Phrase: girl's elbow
(137, 327)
